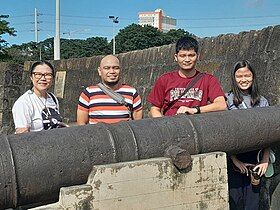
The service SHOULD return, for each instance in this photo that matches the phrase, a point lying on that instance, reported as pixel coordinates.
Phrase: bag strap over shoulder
(188, 87)
(53, 97)
(114, 95)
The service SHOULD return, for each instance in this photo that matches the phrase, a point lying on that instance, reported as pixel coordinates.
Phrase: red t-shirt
(171, 85)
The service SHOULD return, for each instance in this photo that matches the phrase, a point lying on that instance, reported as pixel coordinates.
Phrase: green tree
(5, 29)
(77, 48)
(173, 35)
(136, 37)
(73, 48)
(97, 46)
(132, 37)
(25, 52)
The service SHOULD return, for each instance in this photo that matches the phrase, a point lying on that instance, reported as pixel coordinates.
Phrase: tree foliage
(84, 48)
(173, 35)
(4, 29)
(132, 37)
(136, 37)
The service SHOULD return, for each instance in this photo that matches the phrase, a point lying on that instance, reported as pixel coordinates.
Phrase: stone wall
(10, 90)
(217, 56)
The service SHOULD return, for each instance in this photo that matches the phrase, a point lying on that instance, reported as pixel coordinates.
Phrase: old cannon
(34, 166)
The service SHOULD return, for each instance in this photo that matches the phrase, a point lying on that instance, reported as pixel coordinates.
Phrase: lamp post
(115, 20)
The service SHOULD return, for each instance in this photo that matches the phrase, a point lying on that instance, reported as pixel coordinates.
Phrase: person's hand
(241, 166)
(62, 125)
(263, 165)
(261, 168)
(187, 110)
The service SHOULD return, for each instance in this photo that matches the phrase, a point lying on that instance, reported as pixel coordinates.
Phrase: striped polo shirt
(102, 108)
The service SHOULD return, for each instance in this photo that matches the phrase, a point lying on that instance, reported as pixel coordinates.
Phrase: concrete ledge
(151, 184)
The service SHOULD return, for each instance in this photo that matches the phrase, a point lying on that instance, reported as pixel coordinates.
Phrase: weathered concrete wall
(151, 184)
(10, 90)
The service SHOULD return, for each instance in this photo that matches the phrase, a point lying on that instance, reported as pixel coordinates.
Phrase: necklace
(43, 102)
(46, 112)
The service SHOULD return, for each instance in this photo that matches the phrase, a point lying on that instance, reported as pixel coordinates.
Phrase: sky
(81, 19)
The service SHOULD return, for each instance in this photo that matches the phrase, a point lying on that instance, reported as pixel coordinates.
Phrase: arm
(216, 97)
(137, 109)
(239, 164)
(155, 112)
(156, 97)
(137, 114)
(22, 116)
(219, 104)
(262, 166)
(82, 117)
(83, 108)
(22, 130)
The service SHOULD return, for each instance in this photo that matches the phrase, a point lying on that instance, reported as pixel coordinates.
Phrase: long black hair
(253, 90)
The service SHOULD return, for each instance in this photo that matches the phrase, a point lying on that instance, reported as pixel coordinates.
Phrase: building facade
(158, 20)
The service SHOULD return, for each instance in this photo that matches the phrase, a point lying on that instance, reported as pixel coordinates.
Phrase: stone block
(152, 184)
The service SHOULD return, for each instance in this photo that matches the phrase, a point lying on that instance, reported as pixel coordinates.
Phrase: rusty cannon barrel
(34, 166)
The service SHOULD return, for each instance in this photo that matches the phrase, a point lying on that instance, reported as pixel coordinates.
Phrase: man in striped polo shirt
(96, 106)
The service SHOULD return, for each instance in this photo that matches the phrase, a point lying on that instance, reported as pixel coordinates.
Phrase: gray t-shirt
(246, 102)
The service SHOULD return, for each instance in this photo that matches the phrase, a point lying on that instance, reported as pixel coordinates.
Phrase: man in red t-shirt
(206, 95)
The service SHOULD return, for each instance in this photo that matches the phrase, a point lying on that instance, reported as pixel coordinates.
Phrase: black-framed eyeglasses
(39, 75)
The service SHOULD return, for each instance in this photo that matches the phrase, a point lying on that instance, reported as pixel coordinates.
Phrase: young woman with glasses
(37, 109)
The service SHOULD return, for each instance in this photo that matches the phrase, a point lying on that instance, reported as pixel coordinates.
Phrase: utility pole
(115, 20)
(57, 31)
(36, 25)
(36, 30)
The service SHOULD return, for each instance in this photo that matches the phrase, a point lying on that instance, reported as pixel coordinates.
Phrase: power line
(19, 16)
(73, 16)
(200, 18)
(179, 19)
(89, 17)
(24, 31)
(215, 26)
(230, 26)
(23, 23)
(230, 18)
(77, 24)
(46, 30)
(105, 35)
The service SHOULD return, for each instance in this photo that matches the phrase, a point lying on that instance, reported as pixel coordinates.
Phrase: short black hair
(37, 63)
(187, 43)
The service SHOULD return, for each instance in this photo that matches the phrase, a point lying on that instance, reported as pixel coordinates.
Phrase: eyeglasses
(39, 75)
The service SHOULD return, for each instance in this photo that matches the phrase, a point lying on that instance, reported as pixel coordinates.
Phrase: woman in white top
(37, 109)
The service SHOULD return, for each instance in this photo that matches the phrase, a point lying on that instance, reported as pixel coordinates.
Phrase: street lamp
(115, 20)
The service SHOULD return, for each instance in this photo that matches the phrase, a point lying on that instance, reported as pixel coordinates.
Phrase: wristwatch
(197, 109)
